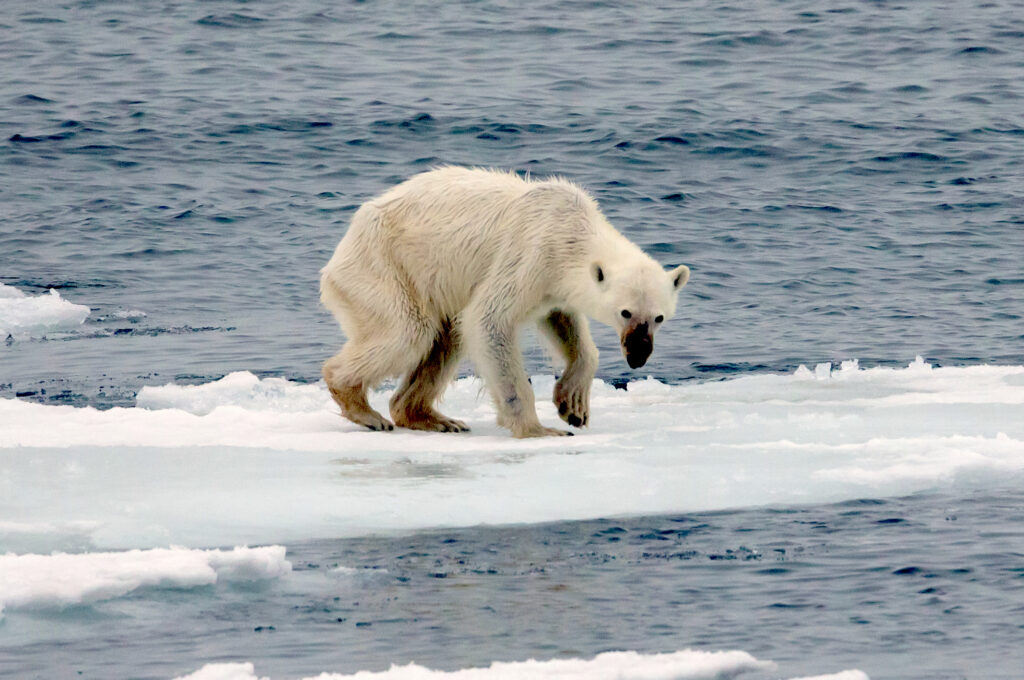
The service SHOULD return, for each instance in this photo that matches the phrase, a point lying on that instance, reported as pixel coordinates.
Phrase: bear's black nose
(637, 345)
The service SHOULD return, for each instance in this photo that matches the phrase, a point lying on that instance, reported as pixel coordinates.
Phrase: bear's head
(635, 299)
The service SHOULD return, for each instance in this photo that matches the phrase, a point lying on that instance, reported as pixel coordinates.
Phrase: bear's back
(447, 195)
(454, 202)
(448, 229)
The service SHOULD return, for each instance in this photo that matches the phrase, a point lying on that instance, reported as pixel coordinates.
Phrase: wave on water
(269, 460)
(682, 665)
(29, 316)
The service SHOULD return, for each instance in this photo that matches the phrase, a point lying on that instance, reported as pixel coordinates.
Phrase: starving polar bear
(458, 258)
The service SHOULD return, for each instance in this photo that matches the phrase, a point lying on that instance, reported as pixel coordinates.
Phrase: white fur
(469, 256)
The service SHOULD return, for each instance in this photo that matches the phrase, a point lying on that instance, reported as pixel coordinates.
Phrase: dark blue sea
(845, 180)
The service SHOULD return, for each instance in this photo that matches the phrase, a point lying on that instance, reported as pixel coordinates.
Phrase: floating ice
(24, 316)
(682, 665)
(61, 579)
(243, 460)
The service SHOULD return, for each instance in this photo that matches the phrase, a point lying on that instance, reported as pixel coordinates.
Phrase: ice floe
(244, 460)
(682, 665)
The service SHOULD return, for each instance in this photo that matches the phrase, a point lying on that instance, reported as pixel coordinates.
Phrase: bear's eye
(626, 314)
(598, 274)
(659, 318)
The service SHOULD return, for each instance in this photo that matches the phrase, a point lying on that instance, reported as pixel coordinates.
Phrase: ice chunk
(682, 665)
(223, 671)
(803, 373)
(24, 316)
(919, 365)
(61, 579)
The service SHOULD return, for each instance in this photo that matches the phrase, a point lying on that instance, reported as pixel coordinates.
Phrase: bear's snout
(637, 344)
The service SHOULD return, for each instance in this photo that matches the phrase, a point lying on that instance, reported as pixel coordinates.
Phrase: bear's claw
(440, 425)
(572, 405)
(430, 422)
(540, 431)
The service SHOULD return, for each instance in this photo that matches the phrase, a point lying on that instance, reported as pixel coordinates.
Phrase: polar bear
(460, 259)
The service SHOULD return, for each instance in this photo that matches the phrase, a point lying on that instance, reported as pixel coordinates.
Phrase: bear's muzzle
(637, 344)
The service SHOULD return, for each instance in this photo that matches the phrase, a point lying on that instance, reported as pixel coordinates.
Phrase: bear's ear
(680, 275)
(597, 272)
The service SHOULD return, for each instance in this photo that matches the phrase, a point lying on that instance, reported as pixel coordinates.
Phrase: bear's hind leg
(412, 405)
(348, 378)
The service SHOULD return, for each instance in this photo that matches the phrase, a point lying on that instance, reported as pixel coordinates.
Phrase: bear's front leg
(572, 397)
(499, 362)
(569, 332)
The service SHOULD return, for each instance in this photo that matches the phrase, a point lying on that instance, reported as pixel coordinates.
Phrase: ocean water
(845, 182)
